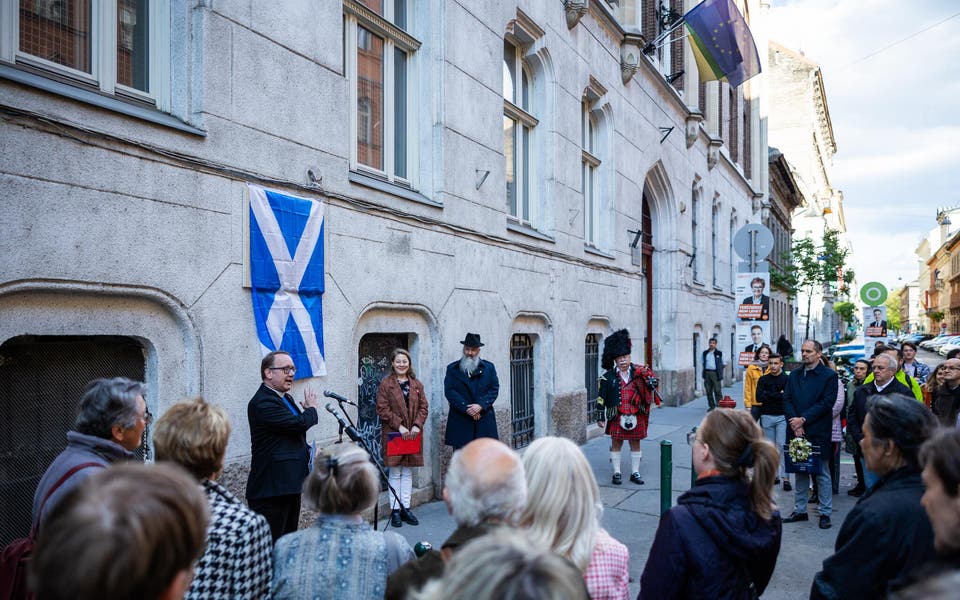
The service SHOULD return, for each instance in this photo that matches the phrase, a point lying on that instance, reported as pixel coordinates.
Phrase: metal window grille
(521, 389)
(374, 354)
(591, 371)
(41, 381)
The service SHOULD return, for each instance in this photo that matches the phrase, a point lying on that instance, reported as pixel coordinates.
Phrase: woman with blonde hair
(340, 555)
(563, 514)
(236, 560)
(402, 407)
(722, 538)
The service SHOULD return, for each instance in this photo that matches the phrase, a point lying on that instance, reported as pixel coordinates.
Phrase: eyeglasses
(692, 436)
(147, 416)
(949, 368)
(286, 370)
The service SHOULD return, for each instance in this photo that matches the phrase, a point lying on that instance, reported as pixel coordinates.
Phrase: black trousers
(282, 513)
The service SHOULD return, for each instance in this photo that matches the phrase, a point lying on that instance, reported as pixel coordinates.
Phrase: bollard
(666, 475)
(691, 438)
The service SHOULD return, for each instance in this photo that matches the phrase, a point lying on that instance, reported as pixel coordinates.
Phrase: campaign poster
(750, 336)
(752, 291)
(875, 322)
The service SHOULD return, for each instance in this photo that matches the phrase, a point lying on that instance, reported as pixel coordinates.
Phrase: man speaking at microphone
(279, 453)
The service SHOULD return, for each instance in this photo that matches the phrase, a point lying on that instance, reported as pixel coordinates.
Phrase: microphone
(351, 431)
(338, 397)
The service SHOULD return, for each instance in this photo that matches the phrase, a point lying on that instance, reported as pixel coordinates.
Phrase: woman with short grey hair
(109, 427)
(339, 556)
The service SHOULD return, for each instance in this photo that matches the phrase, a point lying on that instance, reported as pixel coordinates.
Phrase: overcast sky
(895, 117)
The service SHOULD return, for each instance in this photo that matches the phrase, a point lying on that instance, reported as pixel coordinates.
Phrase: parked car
(928, 344)
(944, 349)
(935, 344)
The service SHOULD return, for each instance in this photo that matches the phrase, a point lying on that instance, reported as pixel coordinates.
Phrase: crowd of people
(527, 525)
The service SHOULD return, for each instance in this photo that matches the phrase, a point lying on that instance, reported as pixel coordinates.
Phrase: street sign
(873, 293)
(757, 236)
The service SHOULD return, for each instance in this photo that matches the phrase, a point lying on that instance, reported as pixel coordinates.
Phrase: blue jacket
(717, 356)
(712, 545)
(461, 391)
(811, 397)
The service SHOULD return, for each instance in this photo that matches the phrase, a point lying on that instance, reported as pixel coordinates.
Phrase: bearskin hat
(616, 344)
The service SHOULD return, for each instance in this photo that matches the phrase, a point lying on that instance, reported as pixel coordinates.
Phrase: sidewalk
(631, 512)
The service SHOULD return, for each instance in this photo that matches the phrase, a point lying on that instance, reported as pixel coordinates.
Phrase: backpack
(15, 557)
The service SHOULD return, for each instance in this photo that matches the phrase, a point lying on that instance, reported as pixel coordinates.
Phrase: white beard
(469, 365)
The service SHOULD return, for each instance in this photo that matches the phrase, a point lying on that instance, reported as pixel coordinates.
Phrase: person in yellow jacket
(755, 370)
(902, 377)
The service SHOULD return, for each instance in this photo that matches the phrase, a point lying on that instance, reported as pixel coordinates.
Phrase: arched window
(518, 126)
(590, 181)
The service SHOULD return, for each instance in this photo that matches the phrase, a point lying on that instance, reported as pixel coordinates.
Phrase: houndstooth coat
(237, 562)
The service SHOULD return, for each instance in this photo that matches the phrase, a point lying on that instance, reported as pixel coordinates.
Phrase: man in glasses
(279, 454)
(108, 428)
(946, 402)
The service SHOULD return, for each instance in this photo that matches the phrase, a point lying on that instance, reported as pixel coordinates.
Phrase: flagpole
(659, 40)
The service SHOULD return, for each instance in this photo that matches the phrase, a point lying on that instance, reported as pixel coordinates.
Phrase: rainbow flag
(722, 43)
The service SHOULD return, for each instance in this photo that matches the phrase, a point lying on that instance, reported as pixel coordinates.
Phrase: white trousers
(401, 478)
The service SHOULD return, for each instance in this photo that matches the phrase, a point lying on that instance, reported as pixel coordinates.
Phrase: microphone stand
(354, 435)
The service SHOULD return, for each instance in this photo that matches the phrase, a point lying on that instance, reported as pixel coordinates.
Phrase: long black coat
(884, 538)
(812, 397)
(462, 391)
(712, 545)
(278, 445)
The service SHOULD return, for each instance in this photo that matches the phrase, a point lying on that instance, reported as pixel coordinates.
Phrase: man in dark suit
(471, 387)
(712, 373)
(757, 286)
(756, 337)
(278, 441)
(808, 402)
(879, 321)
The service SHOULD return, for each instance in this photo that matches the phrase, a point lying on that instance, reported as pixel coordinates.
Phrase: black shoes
(617, 479)
(786, 486)
(635, 478)
(824, 522)
(856, 492)
(794, 517)
(776, 481)
(395, 519)
(408, 517)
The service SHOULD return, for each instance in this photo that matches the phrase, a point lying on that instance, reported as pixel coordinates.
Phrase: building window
(118, 47)
(521, 389)
(518, 127)
(695, 232)
(59, 367)
(591, 372)
(589, 176)
(714, 244)
(730, 253)
(380, 56)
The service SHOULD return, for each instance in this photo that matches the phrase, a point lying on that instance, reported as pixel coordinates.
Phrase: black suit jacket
(764, 302)
(278, 445)
(461, 391)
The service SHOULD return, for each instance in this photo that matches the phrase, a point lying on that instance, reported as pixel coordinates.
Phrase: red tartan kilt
(639, 433)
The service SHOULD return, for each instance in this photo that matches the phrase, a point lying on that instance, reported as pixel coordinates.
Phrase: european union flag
(286, 277)
(722, 43)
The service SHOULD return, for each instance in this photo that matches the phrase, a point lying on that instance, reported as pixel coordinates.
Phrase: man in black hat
(626, 393)
(471, 387)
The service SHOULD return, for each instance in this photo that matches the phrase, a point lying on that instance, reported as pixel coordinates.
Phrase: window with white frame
(115, 47)
(380, 53)
(589, 178)
(518, 127)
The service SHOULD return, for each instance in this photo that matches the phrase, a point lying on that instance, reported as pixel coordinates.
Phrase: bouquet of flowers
(799, 450)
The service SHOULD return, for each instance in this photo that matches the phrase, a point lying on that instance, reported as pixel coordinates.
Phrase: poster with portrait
(750, 336)
(752, 291)
(875, 322)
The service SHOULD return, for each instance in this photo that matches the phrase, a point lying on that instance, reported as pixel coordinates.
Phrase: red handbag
(397, 446)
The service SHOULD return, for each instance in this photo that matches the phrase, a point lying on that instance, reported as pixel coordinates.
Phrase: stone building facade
(522, 170)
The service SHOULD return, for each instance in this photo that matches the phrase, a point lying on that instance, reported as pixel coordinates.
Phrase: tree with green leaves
(811, 266)
(893, 312)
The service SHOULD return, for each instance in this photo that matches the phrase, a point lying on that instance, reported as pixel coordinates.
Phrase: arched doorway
(647, 248)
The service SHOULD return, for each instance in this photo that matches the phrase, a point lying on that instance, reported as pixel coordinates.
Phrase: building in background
(784, 198)
(910, 308)
(937, 270)
(801, 129)
(522, 170)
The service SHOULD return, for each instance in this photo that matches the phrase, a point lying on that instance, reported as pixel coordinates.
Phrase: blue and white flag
(286, 276)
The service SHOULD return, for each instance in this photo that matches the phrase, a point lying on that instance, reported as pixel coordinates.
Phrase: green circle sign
(873, 293)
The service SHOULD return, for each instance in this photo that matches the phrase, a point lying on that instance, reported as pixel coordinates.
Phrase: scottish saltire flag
(721, 42)
(286, 276)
